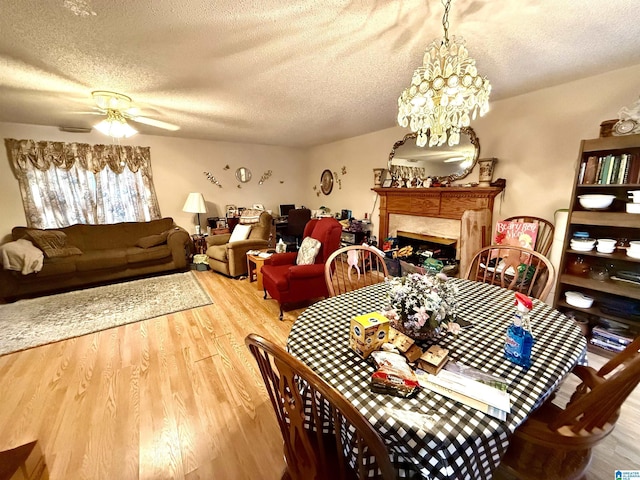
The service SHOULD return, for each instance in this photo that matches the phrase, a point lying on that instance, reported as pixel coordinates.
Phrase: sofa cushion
(138, 254)
(250, 215)
(101, 259)
(58, 266)
(309, 248)
(240, 232)
(52, 242)
(218, 252)
(153, 240)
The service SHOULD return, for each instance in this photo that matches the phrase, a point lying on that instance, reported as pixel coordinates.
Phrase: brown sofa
(231, 258)
(102, 253)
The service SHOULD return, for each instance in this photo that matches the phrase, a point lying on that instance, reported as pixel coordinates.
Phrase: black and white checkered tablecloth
(438, 437)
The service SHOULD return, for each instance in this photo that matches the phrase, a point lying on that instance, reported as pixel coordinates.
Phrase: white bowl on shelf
(596, 201)
(582, 244)
(578, 299)
(633, 207)
(606, 245)
(634, 195)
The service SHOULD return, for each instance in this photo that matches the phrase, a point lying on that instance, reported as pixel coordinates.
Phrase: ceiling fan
(118, 108)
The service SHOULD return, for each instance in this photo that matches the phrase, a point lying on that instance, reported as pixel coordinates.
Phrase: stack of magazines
(613, 340)
(470, 386)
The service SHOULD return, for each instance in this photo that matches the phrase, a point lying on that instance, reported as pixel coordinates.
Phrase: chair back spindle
(353, 267)
(515, 268)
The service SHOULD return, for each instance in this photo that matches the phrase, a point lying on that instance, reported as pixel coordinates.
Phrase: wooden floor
(177, 397)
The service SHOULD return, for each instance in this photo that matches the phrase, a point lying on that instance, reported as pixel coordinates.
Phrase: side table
(254, 267)
(199, 243)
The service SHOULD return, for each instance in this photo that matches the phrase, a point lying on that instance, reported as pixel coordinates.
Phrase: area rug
(29, 323)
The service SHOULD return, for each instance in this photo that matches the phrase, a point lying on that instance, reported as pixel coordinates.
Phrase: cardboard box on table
(368, 332)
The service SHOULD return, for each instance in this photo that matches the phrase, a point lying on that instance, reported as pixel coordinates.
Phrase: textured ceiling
(287, 72)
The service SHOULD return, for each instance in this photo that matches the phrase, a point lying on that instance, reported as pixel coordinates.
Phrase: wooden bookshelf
(613, 222)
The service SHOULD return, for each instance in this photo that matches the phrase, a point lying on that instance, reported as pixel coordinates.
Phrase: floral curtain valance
(42, 154)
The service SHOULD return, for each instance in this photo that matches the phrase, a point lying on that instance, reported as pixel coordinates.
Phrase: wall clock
(326, 182)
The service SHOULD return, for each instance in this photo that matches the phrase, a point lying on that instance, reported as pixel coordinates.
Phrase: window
(63, 184)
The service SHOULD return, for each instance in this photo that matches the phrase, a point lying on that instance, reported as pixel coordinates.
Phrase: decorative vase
(486, 166)
(424, 334)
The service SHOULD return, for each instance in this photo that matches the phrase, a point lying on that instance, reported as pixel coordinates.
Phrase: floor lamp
(195, 204)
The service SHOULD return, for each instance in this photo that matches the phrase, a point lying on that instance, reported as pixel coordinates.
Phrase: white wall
(178, 166)
(535, 137)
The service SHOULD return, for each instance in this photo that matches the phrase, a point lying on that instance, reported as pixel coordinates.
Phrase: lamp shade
(195, 204)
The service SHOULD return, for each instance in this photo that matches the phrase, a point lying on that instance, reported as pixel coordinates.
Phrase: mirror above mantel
(443, 164)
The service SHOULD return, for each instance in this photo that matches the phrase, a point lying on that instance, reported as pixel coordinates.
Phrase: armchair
(287, 282)
(231, 258)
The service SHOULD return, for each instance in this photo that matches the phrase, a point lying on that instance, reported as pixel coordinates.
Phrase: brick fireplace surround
(460, 213)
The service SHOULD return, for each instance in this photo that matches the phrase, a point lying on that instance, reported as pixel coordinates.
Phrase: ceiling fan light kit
(119, 108)
(115, 125)
(446, 92)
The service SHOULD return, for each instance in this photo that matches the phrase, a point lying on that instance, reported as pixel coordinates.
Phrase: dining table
(429, 434)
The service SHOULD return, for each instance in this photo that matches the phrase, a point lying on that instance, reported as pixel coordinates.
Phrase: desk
(438, 437)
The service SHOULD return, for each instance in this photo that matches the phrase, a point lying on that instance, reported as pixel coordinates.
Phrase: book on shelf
(470, 386)
(606, 345)
(590, 170)
(583, 167)
(606, 168)
(623, 168)
(615, 168)
(634, 170)
(611, 337)
(599, 170)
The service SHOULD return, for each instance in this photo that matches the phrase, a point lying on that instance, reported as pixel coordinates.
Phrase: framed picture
(386, 183)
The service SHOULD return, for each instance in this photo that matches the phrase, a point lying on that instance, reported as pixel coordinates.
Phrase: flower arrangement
(421, 305)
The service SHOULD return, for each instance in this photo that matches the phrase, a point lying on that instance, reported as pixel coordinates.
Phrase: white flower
(422, 302)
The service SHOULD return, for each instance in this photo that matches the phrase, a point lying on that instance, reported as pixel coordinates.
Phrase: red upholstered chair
(287, 282)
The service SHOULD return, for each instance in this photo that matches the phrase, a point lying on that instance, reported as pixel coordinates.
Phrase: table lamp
(195, 204)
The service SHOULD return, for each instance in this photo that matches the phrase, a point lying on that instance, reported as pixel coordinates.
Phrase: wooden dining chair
(556, 443)
(353, 267)
(515, 268)
(546, 229)
(310, 453)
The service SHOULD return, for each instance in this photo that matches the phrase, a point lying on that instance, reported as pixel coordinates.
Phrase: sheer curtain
(66, 183)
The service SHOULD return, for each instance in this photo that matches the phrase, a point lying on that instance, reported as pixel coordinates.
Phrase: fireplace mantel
(472, 206)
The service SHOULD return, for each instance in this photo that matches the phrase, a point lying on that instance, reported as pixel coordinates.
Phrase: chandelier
(115, 125)
(446, 92)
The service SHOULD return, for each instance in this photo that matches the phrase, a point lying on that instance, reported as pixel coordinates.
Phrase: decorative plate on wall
(326, 182)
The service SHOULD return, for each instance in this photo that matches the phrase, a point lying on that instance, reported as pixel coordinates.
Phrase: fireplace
(459, 216)
(427, 246)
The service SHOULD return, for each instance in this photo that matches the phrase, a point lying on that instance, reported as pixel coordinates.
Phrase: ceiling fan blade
(155, 123)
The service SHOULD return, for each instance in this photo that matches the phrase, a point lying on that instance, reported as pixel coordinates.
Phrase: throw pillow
(250, 216)
(153, 240)
(53, 243)
(240, 232)
(308, 251)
